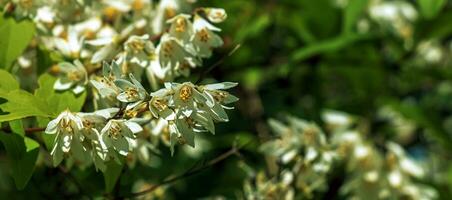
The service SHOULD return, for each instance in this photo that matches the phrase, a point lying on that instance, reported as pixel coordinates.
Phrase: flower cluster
(108, 50)
(377, 174)
(304, 145)
(306, 158)
(182, 110)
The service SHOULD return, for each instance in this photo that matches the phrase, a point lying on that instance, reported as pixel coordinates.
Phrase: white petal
(78, 89)
(52, 126)
(134, 127)
(59, 85)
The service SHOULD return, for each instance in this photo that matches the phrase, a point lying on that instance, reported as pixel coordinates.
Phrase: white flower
(181, 28)
(69, 137)
(130, 92)
(75, 77)
(139, 50)
(159, 105)
(45, 14)
(204, 40)
(114, 134)
(72, 46)
(106, 84)
(215, 15)
(109, 41)
(174, 59)
(166, 9)
(217, 98)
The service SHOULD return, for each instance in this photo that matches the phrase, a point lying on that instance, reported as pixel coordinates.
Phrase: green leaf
(7, 81)
(58, 101)
(17, 127)
(111, 175)
(23, 153)
(14, 38)
(329, 45)
(21, 104)
(430, 8)
(352, 13)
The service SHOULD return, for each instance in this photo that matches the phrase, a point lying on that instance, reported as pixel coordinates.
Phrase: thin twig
(27, 130)
(216, 64)
(171, 179)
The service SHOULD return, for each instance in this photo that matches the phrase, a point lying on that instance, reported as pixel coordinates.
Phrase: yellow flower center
(110, 12)
(131, 93)
(114, 131)
(74, 76)
(136, 45)
(137, 5)
(203, 35)
(180, 24)
(67, 125)
(170, 12)
(185, 93)
(167, 49)
(159, 104)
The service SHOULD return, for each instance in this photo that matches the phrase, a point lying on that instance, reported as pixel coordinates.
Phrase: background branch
(171, 179)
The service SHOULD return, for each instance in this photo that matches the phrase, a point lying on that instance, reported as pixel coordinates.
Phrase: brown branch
(171, 179)
(27, 130)
(157, 37)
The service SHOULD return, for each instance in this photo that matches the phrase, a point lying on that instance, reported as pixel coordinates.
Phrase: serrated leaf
(21, 104)
(7, 81)
(23, 153)
(59, 101)
(14, 38)
(111, 175)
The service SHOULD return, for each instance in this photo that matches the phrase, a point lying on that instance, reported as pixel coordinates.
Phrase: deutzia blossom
(109, 41)
(130, 91)
(204, 39)
(215, 15)
(69, 137)
(174, 59)
(106, 85)
(72, 46)
(116, 132)
(74, 76)
(122, 33)
(181, 28)
(187, 110)
(139, 50)
(217, 98)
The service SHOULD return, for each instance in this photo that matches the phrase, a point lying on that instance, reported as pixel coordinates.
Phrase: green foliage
(21, 104)
(22, 153)
(430, 8)
(111, 175)
(7, 82)
(58, 101)
(354, 9)
(14, 38)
